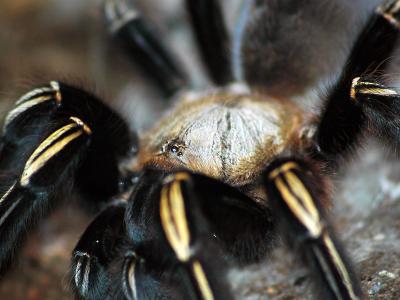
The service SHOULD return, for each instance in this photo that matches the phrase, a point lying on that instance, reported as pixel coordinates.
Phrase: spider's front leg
(177, 224)
(343, 120)
(95, 251)
(299, 197)
(169, 233)
(55, 137)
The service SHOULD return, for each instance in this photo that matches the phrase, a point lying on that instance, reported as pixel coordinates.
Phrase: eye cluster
(174, 147)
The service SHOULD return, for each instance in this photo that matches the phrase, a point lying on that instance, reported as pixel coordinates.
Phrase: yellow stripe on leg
(297, 197)
(284, 168)
(174, 220)
(339, 265)
(51, 146)
(202, 281)
(298, 208)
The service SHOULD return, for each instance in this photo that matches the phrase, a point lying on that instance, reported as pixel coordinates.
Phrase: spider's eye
(174, 149)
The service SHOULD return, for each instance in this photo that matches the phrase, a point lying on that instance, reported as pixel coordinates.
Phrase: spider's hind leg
(381, 106)
(56, 137)
(144, 45)
(184, 226)
(212, 38)
(299, 197)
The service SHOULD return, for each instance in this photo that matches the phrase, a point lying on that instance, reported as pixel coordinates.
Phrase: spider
(215, 181)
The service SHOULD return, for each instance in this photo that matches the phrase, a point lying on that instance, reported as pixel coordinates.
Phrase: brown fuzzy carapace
(227, 135)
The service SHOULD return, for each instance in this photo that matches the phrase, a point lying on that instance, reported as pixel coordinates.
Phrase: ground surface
(43, 39)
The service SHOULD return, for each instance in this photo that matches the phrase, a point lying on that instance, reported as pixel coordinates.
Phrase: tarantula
(212, 182)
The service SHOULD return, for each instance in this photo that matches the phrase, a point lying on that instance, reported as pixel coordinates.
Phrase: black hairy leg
(95, 251)
(212, 38)
(299, 197)
(342, 121)
(142, 43)
(169, 233)
(381, 106)
(55, 137)
(179, 225)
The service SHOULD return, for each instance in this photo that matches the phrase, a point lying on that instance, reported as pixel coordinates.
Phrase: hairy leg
(182, 227)
(212, 38)
(298, 195)
(53, 140)
(342, 121)
(143, 44)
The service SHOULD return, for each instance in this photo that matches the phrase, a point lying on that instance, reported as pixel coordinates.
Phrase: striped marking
(51, 146)
(78, 272)
(33, 94)
(6, 194)
(33, 98)
(369, 88)
(299, 201)
(390, 11)
(9, 211)
(339, 265)
(284, 168)
(330, 277)
(377, 91)
(85, 282)
(12, 206)
(81, 124)
(13, 114)
(354, 83)
(175, 225)
(202, 281)
(84, 259)
(129, 283)
(173, 217)
(119, 13)
(56, 89)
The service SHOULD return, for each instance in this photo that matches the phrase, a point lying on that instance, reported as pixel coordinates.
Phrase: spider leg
(55, 137)
(342, 120)
(91, 272)
(181, 223)
(298, 196)
(143, 44)
(95, 250)
(170, 232)
(212, 38)
(381, 106)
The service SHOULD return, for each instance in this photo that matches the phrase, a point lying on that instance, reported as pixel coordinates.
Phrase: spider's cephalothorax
(225, 135)
(210, 181)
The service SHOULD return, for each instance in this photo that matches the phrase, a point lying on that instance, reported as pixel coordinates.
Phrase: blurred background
(41, 40)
